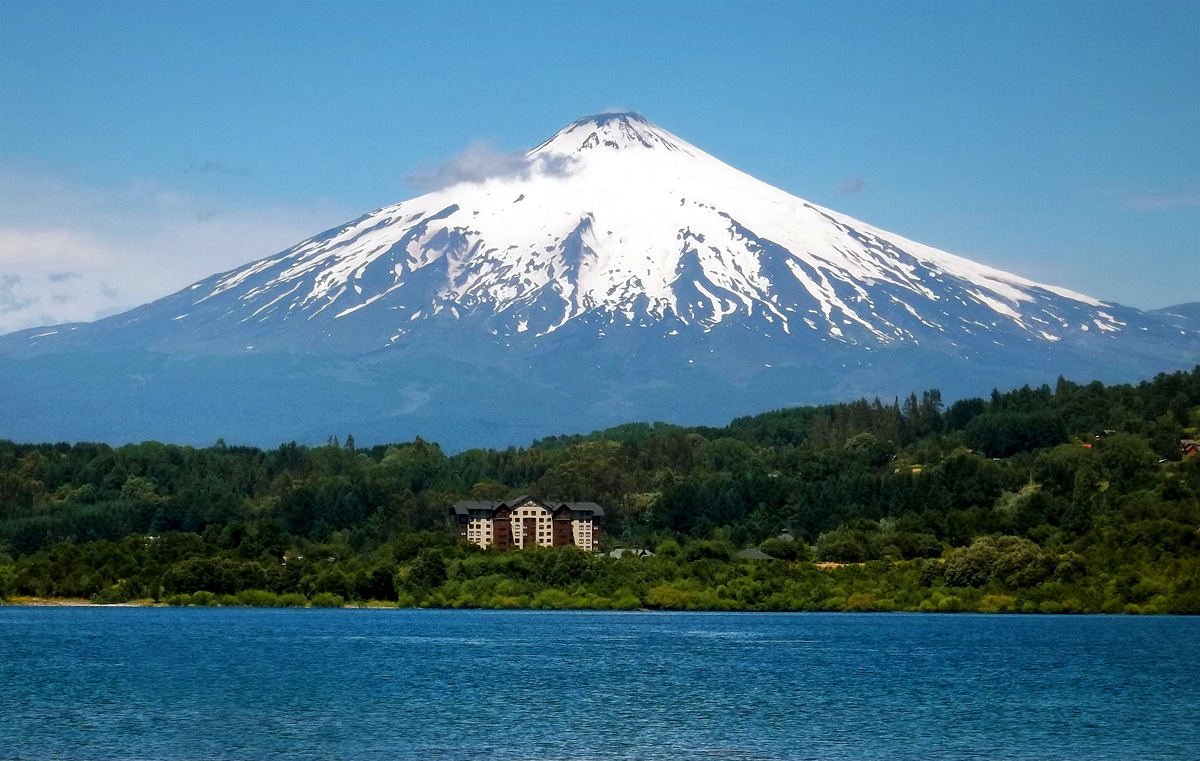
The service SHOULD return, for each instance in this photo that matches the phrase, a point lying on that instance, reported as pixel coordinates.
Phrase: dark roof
(621, 552)
(461, 508)
(754, 554)
(585, 507)
(464, 506)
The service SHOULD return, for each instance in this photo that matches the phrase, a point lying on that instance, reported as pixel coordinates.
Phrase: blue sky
(143, 146)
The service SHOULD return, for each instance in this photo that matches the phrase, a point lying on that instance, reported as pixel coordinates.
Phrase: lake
(186, 683)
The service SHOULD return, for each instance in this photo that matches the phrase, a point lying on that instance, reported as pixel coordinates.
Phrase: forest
(1079, 498)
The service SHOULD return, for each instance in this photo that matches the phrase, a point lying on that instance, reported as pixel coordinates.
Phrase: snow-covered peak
(613, 273)
(619, 131)
(615, 221)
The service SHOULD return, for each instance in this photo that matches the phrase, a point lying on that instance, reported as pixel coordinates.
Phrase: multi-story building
(527, 521)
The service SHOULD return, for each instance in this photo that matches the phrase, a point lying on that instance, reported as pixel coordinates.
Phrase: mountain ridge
(617, 269)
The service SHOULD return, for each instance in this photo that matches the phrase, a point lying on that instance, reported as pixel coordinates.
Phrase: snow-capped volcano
(630, 271)
(617, 219)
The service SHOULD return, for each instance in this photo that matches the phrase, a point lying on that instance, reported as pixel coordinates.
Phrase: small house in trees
(1189, 447)
(528, 522)
(628, 552)
(754, 553)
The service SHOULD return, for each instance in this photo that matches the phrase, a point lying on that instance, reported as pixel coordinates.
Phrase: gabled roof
(621, 552)
(754, 554)
(464, 507)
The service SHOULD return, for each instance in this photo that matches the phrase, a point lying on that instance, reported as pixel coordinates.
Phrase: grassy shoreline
(992, 606)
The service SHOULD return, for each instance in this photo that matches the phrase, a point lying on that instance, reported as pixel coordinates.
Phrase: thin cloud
(1161, 201)
(217, 167)
(1146, 200)
(479, 163)
(852, 186)
(74, 252)
(11, 298)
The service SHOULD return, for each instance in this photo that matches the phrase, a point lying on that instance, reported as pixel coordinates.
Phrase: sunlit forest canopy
(1077, 497)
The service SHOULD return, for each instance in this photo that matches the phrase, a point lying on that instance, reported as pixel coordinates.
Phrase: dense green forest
(1072, 499)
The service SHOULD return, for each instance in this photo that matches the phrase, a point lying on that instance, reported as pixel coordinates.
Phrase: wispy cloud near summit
(479, 163)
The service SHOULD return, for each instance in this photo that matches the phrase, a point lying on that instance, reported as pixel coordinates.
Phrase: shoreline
(77, 602)
(50, 602)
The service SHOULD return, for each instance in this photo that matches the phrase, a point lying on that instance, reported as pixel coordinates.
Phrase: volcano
(613, 273)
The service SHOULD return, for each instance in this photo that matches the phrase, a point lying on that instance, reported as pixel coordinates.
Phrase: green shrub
(861, 602)
(257, 598)
(203, 598)
(843, 545)
(117, 593)
(668, 548)
(8, 581)
(997, 604)
(707, 550)
(1010, 561)
(625, 600)
(786, 549)
(328, 600)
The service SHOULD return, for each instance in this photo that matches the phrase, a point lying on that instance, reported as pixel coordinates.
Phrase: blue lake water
(178, 683)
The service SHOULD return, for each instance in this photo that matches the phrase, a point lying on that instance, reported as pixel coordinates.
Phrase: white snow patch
(368, 302)
(272, 302)
(996, 305)
(613, 188)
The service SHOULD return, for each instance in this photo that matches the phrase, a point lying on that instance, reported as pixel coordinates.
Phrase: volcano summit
(614, 273)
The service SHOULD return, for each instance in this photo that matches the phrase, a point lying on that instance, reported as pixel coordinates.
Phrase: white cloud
(72, 252)
(478, 163)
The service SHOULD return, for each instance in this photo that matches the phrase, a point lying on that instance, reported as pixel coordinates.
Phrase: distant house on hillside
(528, 522)
(754, 554)
(1189, 447)
(622, 552)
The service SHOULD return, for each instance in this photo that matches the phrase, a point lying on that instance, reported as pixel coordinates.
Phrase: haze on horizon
(143, 147)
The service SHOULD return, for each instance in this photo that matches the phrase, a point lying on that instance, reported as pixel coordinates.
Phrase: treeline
(1072, 498)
